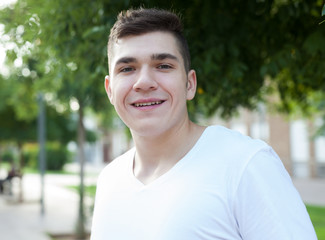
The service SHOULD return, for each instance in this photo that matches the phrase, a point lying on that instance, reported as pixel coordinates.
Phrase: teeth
(147, 104)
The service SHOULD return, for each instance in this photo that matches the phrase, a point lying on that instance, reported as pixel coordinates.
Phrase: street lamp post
(41, 139)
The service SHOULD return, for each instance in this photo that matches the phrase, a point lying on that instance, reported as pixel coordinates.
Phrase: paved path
(21, 221)
(312, 191)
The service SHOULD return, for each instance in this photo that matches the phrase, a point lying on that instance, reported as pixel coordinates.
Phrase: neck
(155, 155)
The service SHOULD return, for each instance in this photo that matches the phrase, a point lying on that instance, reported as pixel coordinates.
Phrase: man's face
(148, 85)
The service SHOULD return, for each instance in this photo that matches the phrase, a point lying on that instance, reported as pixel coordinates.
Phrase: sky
(5, 3)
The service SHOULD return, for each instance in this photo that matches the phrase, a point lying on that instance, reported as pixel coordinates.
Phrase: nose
(145, 80)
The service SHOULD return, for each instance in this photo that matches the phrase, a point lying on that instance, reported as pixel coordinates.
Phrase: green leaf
(93, 30)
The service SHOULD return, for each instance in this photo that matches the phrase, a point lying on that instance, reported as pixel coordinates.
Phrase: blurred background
(261, 71)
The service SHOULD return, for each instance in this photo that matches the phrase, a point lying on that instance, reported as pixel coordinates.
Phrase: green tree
(77, 39)
(234, 46)
(69, 43)
(60, 128)
(238, 44)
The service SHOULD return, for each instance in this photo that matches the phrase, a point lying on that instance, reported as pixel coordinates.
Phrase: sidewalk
(312, 191)
(21, 221)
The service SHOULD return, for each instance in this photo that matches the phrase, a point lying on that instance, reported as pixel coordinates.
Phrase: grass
(317, 216)
(89, 190)
(37, 171)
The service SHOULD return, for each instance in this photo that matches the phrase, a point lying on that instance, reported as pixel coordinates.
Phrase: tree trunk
(107, 148)
(20, 171)
(81, 231)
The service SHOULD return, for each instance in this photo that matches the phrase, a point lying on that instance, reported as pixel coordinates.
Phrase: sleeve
(267, 206)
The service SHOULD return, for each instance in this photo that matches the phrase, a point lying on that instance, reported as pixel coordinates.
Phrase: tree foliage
(234, 45)
(238, 44)
(61, 127)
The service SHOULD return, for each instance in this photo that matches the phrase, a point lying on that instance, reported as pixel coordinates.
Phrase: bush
(30, 154)
(56, 156)
(7, 157)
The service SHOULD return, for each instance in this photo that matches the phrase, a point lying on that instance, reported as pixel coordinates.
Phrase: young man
(183, 181)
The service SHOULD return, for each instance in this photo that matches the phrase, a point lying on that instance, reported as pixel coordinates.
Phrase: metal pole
(42, 153)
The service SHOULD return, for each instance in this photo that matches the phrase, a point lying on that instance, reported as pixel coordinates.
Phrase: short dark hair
(135, 22)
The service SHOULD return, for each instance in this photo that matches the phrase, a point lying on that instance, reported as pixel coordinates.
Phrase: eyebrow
(126, 60)
(163, 56)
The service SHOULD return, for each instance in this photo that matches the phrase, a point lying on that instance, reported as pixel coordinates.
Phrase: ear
(108, 89)
(191, 85)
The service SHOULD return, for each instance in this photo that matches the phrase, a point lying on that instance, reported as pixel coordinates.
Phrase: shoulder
(227, 135)
(225, 154)
(231, 144)
(118, 166)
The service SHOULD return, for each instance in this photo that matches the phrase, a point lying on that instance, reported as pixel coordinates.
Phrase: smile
(147, 104)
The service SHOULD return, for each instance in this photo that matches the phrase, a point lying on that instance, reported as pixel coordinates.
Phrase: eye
(164, 66)
(126, 69)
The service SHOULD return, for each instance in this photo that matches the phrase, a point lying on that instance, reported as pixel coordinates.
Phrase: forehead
(144, 45)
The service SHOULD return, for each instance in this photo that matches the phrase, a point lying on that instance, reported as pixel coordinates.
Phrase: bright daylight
(162, 120)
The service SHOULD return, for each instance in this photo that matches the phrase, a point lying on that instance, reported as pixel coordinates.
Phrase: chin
(150, 131)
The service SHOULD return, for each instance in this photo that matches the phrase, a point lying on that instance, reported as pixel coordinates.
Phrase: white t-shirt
(227, 187)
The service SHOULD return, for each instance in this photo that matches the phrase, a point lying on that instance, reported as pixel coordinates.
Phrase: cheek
(176, 83)
(120, 93)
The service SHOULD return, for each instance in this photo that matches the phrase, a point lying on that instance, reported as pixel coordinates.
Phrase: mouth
(145, 104)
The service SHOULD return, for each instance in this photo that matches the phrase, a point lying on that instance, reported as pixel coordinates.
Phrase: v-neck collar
(179, 165)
